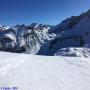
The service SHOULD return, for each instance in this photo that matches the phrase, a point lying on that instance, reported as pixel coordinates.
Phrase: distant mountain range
(73, 32)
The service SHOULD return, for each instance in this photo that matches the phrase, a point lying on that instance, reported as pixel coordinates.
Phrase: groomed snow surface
(32, 72)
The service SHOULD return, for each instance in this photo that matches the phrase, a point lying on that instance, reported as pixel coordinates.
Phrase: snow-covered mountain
(46, 39)
(72, 32)
(21, 38)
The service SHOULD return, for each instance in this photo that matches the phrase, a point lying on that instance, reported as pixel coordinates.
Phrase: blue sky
(52, 12)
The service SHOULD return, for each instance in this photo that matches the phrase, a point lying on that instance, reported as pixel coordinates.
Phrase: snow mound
(31, 72)
(74, 52)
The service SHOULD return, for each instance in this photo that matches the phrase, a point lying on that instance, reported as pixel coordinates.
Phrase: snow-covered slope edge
(28, 72)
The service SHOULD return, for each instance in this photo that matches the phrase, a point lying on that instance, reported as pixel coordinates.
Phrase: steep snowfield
(32, 72)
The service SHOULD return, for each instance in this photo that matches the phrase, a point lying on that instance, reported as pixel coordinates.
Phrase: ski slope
(33, 72)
